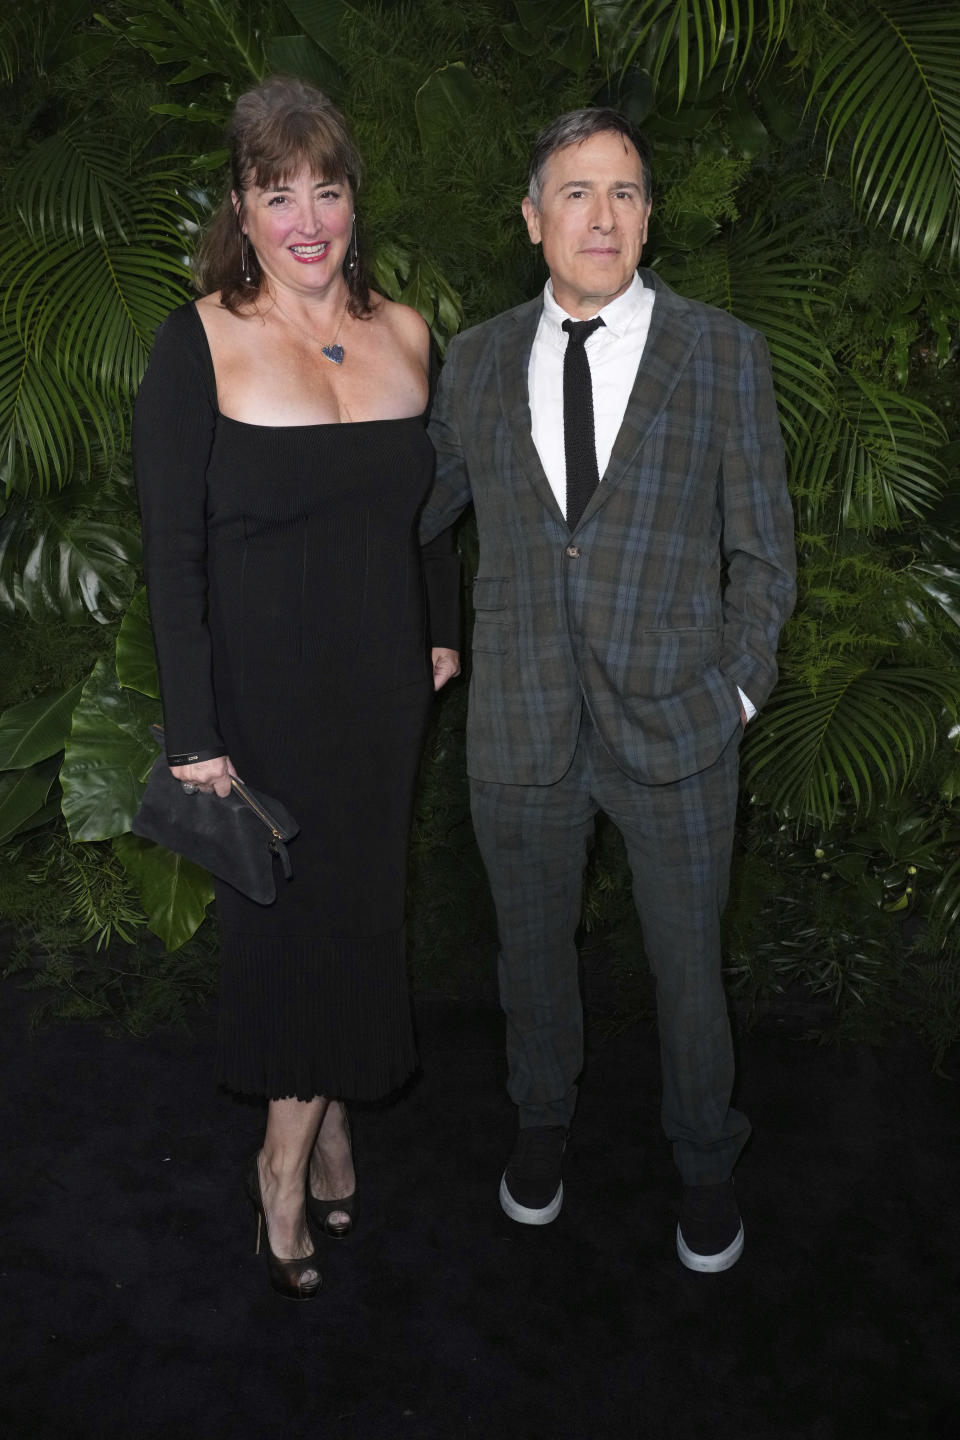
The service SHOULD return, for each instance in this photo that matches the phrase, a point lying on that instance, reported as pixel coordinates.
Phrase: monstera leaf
(70, 555)
(108, 757)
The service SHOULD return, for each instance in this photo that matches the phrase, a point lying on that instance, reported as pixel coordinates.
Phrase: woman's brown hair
(278, 129)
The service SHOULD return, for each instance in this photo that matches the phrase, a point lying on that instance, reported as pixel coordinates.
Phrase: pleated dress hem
(302, 1016)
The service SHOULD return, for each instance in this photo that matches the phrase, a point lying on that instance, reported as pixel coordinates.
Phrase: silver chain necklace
(332, 351)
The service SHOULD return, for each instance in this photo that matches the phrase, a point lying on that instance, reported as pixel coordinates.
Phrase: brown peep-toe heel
(319, 1212)
(286, 1276)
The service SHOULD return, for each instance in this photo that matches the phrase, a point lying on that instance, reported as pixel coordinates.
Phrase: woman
(281, 460)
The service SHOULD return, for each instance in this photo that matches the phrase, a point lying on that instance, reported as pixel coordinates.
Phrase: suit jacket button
(573, 552)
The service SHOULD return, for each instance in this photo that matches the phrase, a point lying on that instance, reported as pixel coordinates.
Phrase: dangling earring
(246, 267)
(353, 250)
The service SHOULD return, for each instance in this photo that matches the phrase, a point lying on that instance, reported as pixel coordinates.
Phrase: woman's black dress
(287, 599)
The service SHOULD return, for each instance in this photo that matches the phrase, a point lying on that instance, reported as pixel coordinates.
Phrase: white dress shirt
(615, 352)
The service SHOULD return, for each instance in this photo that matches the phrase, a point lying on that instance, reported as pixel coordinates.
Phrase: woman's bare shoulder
(225, 327)
(407, 324)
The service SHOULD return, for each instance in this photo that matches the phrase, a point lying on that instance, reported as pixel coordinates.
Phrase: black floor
(132, 1304)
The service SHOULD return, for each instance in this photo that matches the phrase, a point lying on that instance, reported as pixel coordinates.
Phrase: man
(636, 565)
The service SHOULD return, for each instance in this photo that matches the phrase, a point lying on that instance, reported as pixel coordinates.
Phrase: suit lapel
(514, 343)
(670, 343)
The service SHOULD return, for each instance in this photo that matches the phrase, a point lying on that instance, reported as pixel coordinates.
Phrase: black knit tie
(579, 443)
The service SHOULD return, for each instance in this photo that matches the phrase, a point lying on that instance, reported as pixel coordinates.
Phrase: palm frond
(16, 30)
(857, 738)
(757, 276)
(71, 183)
(104, 328)
(692, 39)
(78, 315)
(890, 83)
(876, 457)
(44, 419)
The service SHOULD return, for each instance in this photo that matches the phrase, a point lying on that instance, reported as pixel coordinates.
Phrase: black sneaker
(710, 1232)
(531, 1190)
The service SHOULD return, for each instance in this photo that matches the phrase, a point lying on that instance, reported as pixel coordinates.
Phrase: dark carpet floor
(133, 1305)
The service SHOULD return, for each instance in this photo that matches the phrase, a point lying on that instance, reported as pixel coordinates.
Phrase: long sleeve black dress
(287, 600)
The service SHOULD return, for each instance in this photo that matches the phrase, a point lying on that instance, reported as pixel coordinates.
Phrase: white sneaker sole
(710, 1264)
(523, 1214)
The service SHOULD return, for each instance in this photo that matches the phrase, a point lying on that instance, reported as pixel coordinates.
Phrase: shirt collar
(618, 315)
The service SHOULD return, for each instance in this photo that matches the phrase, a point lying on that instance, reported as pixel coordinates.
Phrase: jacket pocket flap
(490, 592)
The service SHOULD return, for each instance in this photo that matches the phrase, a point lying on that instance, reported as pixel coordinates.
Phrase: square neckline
(210, 376)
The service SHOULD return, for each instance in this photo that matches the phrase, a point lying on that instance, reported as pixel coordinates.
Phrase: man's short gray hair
(577, 126)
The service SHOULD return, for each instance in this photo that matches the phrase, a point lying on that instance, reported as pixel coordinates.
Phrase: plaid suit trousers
(679, 836)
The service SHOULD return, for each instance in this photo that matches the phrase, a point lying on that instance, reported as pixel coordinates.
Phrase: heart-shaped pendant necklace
(334, 351)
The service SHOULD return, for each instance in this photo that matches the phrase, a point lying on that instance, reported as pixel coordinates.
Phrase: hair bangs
(291, 144)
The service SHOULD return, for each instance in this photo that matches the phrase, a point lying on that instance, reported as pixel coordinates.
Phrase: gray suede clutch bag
(236, 838)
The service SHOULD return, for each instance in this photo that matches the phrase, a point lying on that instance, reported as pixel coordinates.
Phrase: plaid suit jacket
(670, 592)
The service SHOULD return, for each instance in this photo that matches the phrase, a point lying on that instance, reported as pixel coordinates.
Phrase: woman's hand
(209, 776)
(446, 664)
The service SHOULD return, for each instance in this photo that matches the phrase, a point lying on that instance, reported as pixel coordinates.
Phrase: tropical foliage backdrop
(807, 178)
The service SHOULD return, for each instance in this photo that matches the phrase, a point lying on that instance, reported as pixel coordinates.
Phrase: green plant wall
(807, 178)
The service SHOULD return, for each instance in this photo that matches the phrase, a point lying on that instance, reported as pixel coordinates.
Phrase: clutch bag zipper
(258, 810)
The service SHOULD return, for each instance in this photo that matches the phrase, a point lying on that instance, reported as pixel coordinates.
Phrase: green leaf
(212, 38)
(445, 103)
(37, 728)
(66, 558)
(758, 276)
(136, 654)
(941, 583)
(90, 270)
(858, 738)
(539, 17)
(23, 793)
(321, 20)
(521, 40)
(43, 434)
(416, 281)
(784, 118)
(747, 132)
(108, 759)
(877, 452)
(174, 892)
(126, 290)
(74, 185)
(888, 84)
(299, 55)
(199, 114)
(688, 39)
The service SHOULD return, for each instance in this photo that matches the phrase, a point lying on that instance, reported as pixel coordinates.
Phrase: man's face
(592, 223)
